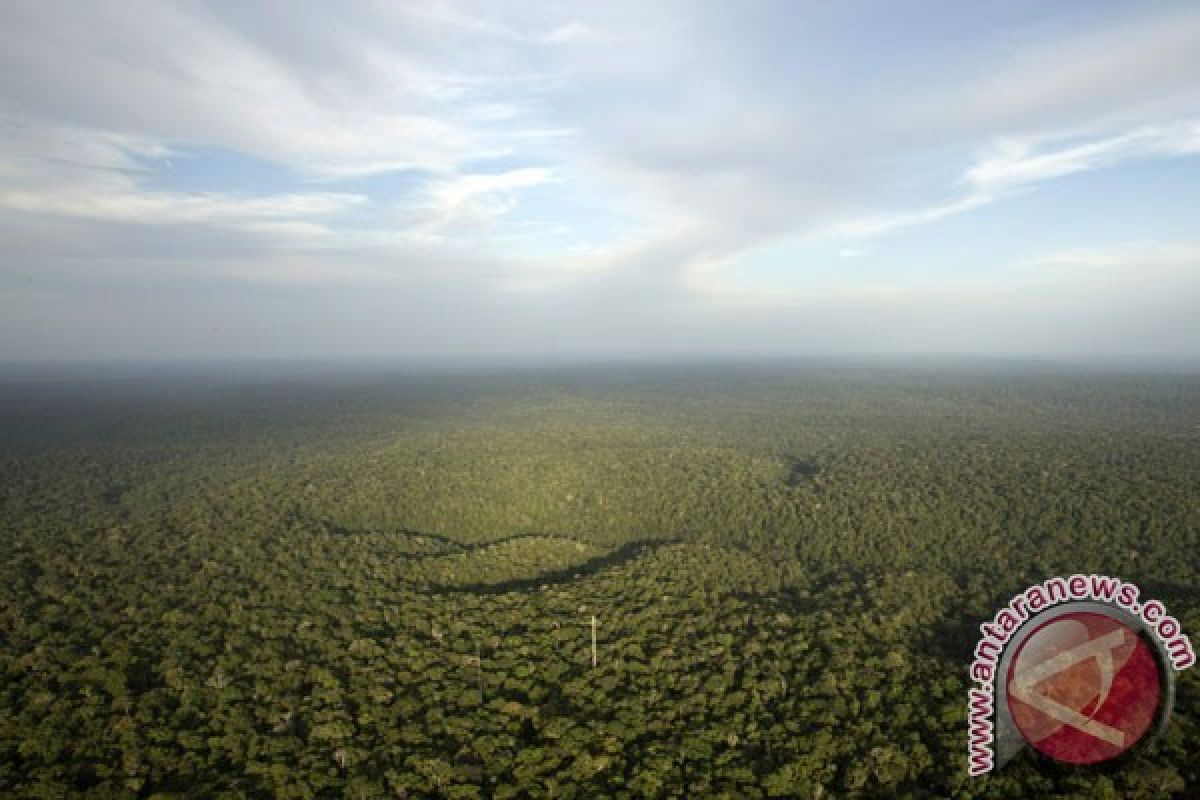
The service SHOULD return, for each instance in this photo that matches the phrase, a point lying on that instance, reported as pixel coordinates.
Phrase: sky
(598, 180)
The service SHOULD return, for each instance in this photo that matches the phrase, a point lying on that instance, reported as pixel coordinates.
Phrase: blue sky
(216, 180)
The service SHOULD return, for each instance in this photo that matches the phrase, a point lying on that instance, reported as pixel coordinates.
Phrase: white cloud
(1141, 66)
(1135, 262)
(452, 193)
(288, 89)
(153, 208)
(1010, 164)
(1015, 163)
(62, 171)
(468, 206)
(1096, 280)
(679, 138)
(574, 33)
(879, 225)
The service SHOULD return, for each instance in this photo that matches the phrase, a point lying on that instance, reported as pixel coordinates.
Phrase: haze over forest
(616, 180)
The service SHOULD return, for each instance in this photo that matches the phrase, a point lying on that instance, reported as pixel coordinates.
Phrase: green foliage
(385, 589)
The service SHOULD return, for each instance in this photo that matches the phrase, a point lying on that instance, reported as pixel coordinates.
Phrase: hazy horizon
(355, 368)
(549, 183)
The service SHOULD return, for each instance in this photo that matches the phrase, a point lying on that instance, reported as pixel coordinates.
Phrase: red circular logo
(1083, 688)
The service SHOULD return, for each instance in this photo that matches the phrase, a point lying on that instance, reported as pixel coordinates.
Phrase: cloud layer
(276, 179)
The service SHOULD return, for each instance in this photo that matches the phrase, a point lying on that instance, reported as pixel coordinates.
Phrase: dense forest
(383, 584)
